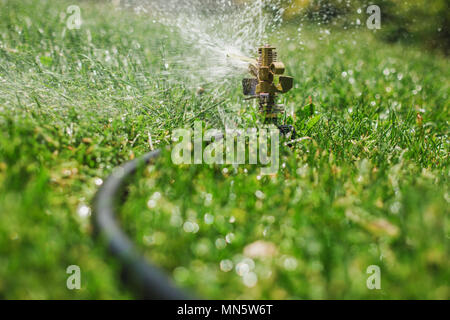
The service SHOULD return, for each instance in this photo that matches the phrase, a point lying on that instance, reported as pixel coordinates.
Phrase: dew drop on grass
(83, 211)
(208, 199)
(260, 249)
(188, 226)
(249, 262)
(151, 203)
(220, 243)
(395, 207)
(229, 237)
(259, 194)
(148, 240)
(242, 268)
(290, 263)
(98, 181)
(156, 196)
(226, 265)
(208, 218)
(250, 279)
(447, 197)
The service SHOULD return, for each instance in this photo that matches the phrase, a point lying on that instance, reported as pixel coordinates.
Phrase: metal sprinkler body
(267, 82)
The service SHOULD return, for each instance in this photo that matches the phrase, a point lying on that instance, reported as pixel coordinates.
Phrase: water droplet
(229, 237)
(190, 227)
(220, 243)
(395, 207)
(208, 199)
(156, 196)
(290, 263)
(208, 218)
(151, 203)
(226, 265)
(84, 211)
(98, 181)
(259, 194)
(242, 268)
(250, 279)
(148, 240)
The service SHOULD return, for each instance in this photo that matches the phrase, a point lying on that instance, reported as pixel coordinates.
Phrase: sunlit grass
(368, 187)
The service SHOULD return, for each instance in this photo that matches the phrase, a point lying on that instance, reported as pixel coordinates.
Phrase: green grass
(369, 188)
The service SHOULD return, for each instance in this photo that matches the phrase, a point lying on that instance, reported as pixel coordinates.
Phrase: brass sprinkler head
(268, 81)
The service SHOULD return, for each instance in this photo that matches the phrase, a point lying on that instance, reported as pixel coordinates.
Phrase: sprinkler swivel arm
(267, 82)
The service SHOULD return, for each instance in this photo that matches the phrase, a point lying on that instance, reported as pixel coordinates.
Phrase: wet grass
(369, 186)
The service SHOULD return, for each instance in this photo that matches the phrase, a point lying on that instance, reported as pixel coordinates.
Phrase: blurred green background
(410, 21)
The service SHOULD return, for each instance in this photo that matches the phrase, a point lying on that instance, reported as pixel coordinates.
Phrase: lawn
(368, 184)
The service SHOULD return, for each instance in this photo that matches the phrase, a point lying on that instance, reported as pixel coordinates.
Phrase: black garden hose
(150, 281)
